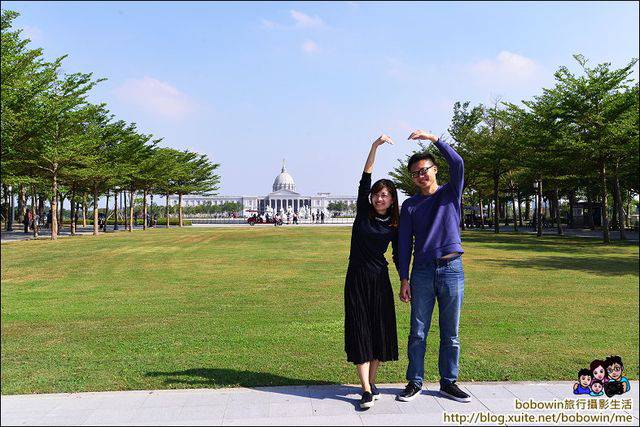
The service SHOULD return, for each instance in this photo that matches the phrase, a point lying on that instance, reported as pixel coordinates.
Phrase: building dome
(284, 181)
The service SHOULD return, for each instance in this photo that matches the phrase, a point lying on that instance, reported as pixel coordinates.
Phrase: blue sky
(252, 83)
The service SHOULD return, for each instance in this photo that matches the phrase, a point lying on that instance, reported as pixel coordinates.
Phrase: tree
(195, 174)
(589, 103)
(337, 206)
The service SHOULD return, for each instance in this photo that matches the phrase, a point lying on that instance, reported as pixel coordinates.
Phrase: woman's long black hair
(393, 210)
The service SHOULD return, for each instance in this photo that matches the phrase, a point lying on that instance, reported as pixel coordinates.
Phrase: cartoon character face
(596, 387)
(615, 371)
(599, 373)
(585, 380)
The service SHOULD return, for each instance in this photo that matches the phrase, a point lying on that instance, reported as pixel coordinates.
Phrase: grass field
(213, 307)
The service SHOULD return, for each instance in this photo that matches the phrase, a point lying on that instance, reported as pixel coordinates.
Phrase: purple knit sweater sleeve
(456, 167)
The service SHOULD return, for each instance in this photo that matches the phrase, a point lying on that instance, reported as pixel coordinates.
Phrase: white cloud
(32, 33)
(156, 97)
(310, 46)
(305, 21)
(507, 67)
(269, 25)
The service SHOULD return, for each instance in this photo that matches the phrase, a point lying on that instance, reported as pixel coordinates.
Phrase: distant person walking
(322, 217)
(28, 217)
(370, 335)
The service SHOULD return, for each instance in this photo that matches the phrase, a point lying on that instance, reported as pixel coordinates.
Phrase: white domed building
(283, 198)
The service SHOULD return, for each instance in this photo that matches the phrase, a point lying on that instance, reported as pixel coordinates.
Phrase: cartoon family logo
(602, 377)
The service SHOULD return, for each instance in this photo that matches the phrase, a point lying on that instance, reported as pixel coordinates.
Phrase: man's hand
(420, 134)
(405, 292)
(382, 139)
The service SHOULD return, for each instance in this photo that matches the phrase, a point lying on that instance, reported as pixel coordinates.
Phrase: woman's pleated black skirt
(370, 315)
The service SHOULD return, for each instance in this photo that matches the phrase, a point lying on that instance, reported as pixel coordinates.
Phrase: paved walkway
(492, 403)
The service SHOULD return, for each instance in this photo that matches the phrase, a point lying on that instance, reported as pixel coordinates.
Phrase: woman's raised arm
(371, 159)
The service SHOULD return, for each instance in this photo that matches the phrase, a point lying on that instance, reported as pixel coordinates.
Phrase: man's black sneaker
(367, 400)
(452, 391)
(409, 393)
(375, 392)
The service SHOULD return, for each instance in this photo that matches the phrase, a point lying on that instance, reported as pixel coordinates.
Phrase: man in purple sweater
(429, 224)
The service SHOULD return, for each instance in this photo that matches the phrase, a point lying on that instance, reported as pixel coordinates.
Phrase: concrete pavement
(492, 404)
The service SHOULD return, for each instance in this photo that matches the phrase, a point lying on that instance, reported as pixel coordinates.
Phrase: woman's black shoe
(375, 392)
(367, 400)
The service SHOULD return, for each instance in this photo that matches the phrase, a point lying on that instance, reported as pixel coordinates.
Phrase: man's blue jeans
(445, 283)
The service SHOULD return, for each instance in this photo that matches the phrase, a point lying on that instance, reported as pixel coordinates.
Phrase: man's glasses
(421, 172)
(614, 368)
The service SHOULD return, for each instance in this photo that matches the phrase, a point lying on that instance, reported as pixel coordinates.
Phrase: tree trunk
(618, 198)
(180, 210)
(572, 203)
(84, 209)
(61, 212)
(527, 208)
(556, 196)
(41, 205)
(8, 200)
(33, 209)
(519, 207)
(614, 213)
(552, 212)
(605, 206)
(124, 209)
(115, 210)
(515, 222)
(54, 204)
(144, 209)
(590, 220)
(496, 224)
(481, 212)
(72, 226)
(22, 202)
(166, 210)
(106, 213)
(132, 194)
(539, 209)
(95, 210)
(627, 219)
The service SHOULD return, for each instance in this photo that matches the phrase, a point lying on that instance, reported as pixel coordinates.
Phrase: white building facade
(283, 198)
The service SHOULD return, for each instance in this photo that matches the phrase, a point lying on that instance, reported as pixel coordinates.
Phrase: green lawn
(213, 307)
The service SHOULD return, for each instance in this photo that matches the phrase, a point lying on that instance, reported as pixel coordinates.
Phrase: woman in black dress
(370, 335)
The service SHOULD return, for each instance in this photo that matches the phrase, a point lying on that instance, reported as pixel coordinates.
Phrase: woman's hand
(368, 166)
(382, 139)
(420, 134)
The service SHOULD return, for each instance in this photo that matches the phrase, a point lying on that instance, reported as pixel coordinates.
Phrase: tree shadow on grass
(543, 244)
(594, 264)
(262, 382)
(215, 377)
